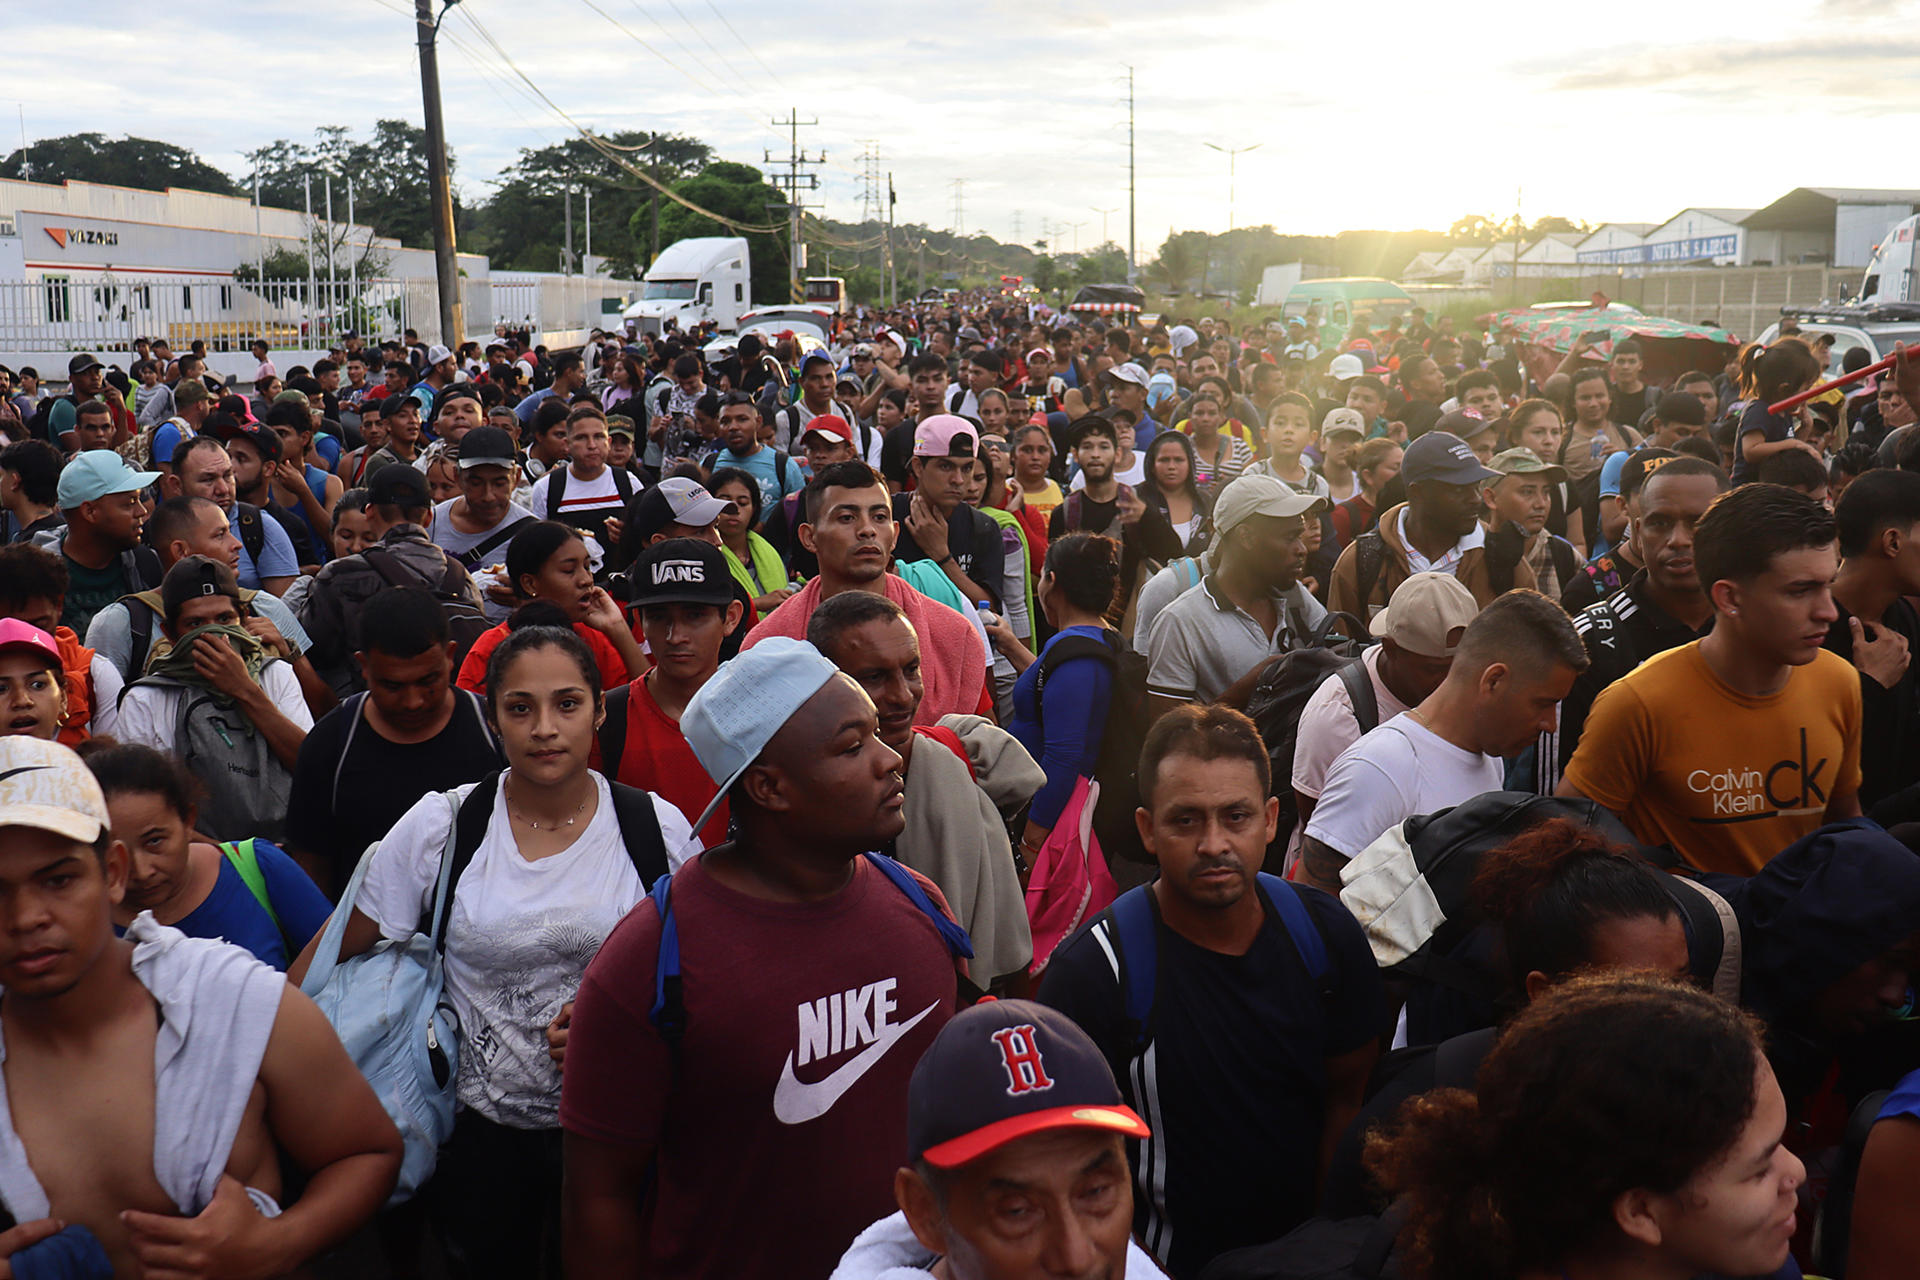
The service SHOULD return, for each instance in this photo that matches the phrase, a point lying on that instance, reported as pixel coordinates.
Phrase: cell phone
(1594, 337)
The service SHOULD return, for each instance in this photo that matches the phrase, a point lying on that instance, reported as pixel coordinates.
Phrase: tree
(1474, 229)
(736, 192)
(1557, 226)
(120, 162)
(1046, 275)
(523, 226)
(389, 171)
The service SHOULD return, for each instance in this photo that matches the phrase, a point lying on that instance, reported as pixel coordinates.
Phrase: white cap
(46, 786)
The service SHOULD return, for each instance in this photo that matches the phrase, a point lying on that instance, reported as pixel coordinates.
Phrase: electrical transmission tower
(959, 212)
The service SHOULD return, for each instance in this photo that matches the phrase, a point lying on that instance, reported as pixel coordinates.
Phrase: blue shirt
(166, 438)
(525, 409)
(1067, 741)
(1771, 426)
(232, 912)
(276, 553)
(759, 465)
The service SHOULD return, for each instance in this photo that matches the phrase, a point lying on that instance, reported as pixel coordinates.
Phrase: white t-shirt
(1135, 475)
(147, 711)
(1400, 769)
(581, 495)
(519, 939)
(1327, 725)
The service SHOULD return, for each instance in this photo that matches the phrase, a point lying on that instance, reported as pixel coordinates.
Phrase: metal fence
(106, 313)
(1744, 300)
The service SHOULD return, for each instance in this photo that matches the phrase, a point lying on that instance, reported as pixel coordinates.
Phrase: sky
(1397, 114)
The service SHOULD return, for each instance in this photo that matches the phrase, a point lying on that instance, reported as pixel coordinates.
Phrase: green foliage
(121, 162)
(737, 192)
(389, 170)
(523, 226)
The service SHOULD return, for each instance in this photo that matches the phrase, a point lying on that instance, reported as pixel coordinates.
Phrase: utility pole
(586, 223)
(566, 266)
(1232, 154)
(793, 181)
(893, 279)
(446, 266)
(1076, 236)
(653, 165)
(923, 264)
(1133, 270)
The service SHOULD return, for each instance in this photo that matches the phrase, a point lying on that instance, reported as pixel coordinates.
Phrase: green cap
(1523, 461)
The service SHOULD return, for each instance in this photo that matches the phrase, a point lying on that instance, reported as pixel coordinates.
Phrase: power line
(751, 52)
(797, 178)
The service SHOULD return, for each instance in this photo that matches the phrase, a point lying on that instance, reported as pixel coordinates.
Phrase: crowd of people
(994, 794)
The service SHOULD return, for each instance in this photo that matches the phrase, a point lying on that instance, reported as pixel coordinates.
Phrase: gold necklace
(551, 826)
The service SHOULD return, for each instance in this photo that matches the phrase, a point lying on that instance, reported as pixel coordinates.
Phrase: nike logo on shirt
(833, 1023)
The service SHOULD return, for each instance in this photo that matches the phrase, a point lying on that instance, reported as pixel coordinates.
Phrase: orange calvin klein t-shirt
(1727, 780)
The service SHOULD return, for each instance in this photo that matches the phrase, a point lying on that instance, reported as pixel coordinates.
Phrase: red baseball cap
(827, 424)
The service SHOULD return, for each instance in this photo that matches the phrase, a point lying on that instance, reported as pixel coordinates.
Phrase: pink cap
(1038, 351)
(827, 424)
(945, 435)
(15, 634)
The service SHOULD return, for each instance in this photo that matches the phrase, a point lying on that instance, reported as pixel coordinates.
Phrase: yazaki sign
(64, 236)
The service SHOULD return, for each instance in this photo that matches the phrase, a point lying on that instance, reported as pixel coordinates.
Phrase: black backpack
(1318, 1249)
(253, 535)
(466, 622)
(557, 487)
(632, 809)
(1117, 769)
(1280, 696)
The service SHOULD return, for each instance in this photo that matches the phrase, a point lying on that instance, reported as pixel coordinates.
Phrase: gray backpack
(245, 788)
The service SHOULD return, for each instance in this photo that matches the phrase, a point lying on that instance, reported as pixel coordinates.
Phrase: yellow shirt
(1044, 500)
(1726, 779)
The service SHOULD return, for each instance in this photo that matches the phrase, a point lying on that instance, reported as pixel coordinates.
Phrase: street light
(1232, 154)
(1104, 238)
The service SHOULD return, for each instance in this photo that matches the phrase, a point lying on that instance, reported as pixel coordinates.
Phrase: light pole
(1232, 154)
(1104, 238)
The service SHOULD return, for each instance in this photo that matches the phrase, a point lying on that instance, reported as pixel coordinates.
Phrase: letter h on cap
(1020, 1055)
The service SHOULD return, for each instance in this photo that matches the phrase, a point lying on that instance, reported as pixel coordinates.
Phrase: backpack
(353, 707)
(1131, 931)
(1117, 768)
(668, 1013)
(557, 488)
(1833, 1221)
(780, 459)
(790, 417)
(1411, 892)
(466, 622)
(1282, 693)
(246, 861)
(246, 787)
(1076, 505)
(1369, 557)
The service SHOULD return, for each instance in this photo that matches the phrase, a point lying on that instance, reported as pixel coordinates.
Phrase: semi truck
(694, 281)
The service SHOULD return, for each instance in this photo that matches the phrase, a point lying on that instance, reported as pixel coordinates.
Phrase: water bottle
(988, 618)
(1598, 449)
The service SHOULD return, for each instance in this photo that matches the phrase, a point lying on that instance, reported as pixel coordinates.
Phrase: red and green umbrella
(1669, 347)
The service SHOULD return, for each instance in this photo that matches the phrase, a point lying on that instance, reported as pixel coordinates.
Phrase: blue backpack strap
(1134, 926)
(669, 1012)
(955, 937)
(1308, 938)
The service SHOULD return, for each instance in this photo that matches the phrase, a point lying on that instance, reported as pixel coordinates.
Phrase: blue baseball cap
(96, 473)
(1005, 1069)
(729, 722)
(1442, 456)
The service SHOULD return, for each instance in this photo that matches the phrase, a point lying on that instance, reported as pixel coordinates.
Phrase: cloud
(1840, 61)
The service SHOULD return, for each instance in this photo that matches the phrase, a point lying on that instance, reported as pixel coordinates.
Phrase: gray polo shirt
(1203, 642)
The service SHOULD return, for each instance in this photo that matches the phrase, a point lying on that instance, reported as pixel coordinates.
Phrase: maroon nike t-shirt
(778, 1141)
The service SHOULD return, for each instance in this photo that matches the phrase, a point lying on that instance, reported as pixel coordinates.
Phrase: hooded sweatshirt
(887, 1250)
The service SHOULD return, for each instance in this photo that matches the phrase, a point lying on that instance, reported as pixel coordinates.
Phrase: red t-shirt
(777, 1140)
(613, 668)
(656, 758)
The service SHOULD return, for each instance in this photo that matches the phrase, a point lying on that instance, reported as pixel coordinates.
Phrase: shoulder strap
(1562, 552)
(1366, 707)
(613, 731)
(640, 832)
(140, 627)
(1370, 553)
(556, 489)
(354, 708)
(253, 534)
(1190, 571)
(472, 556)
(246, 861)
(1302, 927)
(669, 1012)
(1134, 931)
(469, 829)
(950, 932)
(388, 568)
(623, 483)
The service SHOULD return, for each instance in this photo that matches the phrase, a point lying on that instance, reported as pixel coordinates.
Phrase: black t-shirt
(1150, 537)
(1236, 1073)
(1629, 405)
(972, 539)
(1890, 718)
(341, 805)
(783, 535)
